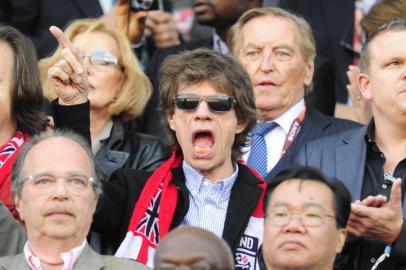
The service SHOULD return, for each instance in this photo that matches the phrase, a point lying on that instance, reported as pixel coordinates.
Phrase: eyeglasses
(309, 217)
(216, 103)
(102, 59)
(46, 182)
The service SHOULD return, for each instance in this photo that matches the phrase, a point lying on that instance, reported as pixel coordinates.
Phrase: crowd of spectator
(273, 139)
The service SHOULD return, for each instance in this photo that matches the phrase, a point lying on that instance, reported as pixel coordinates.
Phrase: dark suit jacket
(116, 205)
(86, 261)
(12, 235)
(315, 125)
(343, 156)
(34, 17)
(333, 25)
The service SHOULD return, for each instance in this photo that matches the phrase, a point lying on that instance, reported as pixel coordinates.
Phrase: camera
(145, 5)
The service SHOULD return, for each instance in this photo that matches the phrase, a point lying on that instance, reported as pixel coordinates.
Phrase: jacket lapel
(16, 262)
(243, 200)
(313, 125)
(89, 260)
(350, 157)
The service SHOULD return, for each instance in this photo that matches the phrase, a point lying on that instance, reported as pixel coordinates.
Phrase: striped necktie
(257, 158)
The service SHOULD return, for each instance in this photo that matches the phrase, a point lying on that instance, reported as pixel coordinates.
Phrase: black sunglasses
(215, 103)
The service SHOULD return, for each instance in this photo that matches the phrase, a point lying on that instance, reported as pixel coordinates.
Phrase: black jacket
(115, 206)
(130, 150)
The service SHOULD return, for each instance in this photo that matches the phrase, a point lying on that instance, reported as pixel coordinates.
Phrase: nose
(202, 110)
(294, 224)
(266, 62)
(60, 190)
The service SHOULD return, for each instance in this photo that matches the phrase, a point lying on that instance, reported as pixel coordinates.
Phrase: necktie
(257, 158)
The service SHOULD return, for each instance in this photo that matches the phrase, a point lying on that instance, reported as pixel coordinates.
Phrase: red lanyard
(293, 131)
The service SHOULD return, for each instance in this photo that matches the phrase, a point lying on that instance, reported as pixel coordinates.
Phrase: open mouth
(203, 142)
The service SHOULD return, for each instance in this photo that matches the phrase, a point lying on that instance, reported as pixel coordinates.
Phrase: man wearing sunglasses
(208, 105)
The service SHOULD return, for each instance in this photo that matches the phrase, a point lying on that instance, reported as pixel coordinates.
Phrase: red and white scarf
(153, 213)
(8, 153)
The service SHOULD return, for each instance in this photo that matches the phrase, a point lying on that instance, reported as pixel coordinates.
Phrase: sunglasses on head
(215, 103)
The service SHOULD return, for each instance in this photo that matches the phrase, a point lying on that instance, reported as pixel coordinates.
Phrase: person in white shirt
(55, 190)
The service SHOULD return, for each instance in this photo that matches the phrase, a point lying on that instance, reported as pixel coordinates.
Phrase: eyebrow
(305, 205)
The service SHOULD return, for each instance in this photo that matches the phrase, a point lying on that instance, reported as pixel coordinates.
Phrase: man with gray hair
(280, 63)
(55, 190)
(371, 161)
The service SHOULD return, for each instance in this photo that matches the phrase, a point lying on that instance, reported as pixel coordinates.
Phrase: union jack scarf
(149, 221)
(152, 217)
(8, 153)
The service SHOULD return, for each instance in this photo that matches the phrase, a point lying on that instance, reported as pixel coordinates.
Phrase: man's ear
(364, 85)
(17, 204)
(309, 71)
(342, 237)
(171, 120)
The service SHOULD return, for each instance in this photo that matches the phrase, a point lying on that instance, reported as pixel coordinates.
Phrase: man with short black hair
(306, 215)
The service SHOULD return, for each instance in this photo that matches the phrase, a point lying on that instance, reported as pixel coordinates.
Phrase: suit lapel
(17, 262)
(243, 200)
(349, 157)
(89, 260)
(313, 125)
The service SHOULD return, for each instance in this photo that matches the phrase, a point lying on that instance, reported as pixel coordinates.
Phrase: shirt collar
(69, 258)
(103, 135)
(219, 45)
(286, 119)
(195, 181)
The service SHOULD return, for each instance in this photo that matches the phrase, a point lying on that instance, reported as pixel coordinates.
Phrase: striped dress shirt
(208, 200)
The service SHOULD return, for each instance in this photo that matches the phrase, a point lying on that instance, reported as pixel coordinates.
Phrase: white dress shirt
(208, 201)
(276, 138)
(69, 258)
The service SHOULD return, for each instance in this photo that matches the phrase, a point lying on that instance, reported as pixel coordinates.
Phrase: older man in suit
(55, 191)
(280, 62)
(370, 160)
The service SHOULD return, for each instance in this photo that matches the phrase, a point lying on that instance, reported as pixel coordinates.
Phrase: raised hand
(375, 219)
(127, 22)
(68, 75)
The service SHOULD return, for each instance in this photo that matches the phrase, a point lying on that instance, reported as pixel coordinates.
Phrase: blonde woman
(118, 91)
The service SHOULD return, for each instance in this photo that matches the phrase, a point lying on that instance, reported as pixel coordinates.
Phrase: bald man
(193, 247)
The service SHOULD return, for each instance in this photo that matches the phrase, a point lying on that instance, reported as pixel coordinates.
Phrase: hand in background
(161, 26)
(130, 23)
(383, 222)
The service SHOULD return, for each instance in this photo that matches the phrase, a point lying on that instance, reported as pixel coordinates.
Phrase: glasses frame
(107, 56)
(33, 177)
(208, 99)
(301, 217)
